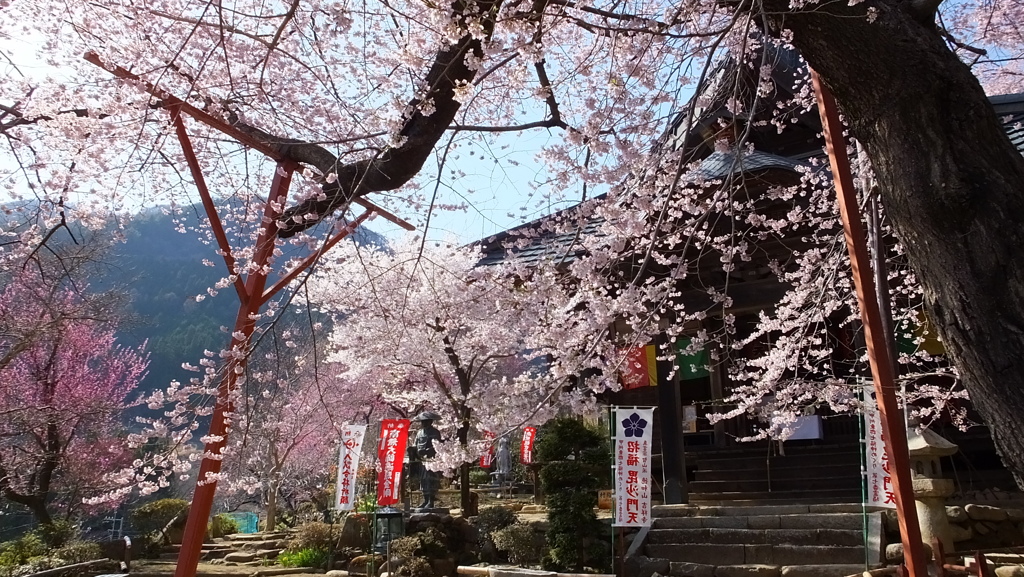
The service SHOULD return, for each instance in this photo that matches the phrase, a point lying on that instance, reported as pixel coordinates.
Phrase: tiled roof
(716, 166)
(546, 245)
(720, 165)
(566, 246)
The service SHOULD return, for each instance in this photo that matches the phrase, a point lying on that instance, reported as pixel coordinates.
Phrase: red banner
(394, 433)
(526, 448)
(488, 458)
(639, 368)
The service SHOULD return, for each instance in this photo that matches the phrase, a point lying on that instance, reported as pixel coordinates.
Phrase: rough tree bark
(951, 181)
(393, 167)
(36, 495)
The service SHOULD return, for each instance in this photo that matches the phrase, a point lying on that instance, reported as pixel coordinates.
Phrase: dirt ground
(161, 568)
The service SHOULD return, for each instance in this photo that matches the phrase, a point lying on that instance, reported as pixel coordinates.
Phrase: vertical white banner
(634, 430)
(348, 464)
(879, 480)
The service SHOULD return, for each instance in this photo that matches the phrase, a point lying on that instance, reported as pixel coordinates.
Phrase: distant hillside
(162, 271)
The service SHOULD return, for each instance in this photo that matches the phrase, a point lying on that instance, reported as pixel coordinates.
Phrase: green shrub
(492, 519)
(309, 557)
(221, 525)
(577, 462)
(153, 517)
(57, 533)
(517, 542)
(19, 551)
(416, 567)
(479, 476)
(315, 535)
(79, 552)
(569, 439)
(367, 503)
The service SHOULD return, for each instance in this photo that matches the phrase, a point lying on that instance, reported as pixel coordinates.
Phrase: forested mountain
(162, 271)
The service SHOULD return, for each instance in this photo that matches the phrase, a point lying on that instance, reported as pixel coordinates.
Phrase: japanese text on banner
(879, 481)
(348, 464)
(487, 459)
(634, 428)
(394, 433)
(526, 448)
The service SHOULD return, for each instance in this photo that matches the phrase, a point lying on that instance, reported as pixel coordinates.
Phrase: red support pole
(251, 293)
(204, 194)
(245, 325)
(312, 258)
(882, 372)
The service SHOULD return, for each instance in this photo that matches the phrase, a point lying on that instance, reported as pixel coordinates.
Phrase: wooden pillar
(874, 335)
(670, 411)
(716, 374)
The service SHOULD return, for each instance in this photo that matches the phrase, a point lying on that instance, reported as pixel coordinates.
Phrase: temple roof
(718, 165)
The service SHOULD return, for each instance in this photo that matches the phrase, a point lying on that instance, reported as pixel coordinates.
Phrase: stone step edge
(471, 571)
(810, 493)
(764, 471)
(844, 569)
(664, 530)
(707, 487)
(757, 510)
(843, 515)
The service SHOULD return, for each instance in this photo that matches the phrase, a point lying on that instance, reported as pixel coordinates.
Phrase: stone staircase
(237, 549)
(765, 541)
(807, 474)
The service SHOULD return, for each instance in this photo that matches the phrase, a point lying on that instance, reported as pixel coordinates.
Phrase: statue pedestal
(437, 510)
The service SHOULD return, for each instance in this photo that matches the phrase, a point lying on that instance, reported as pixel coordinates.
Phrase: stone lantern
(926, 447)
(388, 525)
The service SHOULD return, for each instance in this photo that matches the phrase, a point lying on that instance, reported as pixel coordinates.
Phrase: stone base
(438, 510)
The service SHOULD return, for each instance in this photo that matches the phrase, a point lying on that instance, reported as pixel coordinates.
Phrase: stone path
(163, 568)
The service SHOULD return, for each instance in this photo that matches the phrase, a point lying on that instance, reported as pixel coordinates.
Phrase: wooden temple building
(703, 463)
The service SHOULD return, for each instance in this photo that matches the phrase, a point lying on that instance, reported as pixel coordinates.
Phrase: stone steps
(807, 474)
(238, 549)
(700, 570)
(839, 537)
(759, 554)
(818, 496)
(830, 469)
(853, 521)
(769, 541)
(762, 462)
(775, 484)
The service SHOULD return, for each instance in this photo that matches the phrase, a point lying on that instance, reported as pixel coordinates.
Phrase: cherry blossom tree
(64, 387)
(287, 433)
(486, 348)
(445, 78)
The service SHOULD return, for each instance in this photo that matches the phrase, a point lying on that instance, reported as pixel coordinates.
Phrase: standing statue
(503, 460)
(430, 481)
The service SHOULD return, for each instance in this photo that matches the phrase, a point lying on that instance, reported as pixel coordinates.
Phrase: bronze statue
(423, 450)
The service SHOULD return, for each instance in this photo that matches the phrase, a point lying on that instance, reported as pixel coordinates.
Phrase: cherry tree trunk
(951, 181)
(272, 506)
(38, 507)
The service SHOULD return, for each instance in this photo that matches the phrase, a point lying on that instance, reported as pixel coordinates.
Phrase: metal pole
(878, 355)
(245, 325)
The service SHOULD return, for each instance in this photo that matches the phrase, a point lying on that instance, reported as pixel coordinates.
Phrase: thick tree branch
(394, 166)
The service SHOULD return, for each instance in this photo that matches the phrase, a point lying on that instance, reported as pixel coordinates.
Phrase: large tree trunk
(272, 491)
(951, 181)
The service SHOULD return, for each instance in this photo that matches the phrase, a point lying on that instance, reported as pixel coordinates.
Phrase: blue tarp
(247, 522)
